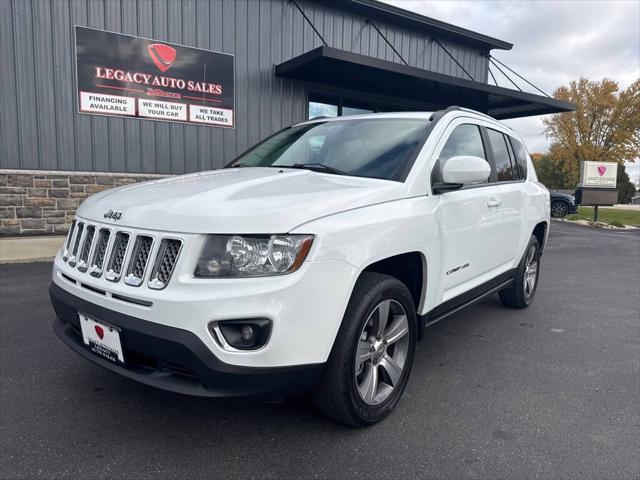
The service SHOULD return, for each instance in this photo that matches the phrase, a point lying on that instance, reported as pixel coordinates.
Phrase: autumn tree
(605, 126)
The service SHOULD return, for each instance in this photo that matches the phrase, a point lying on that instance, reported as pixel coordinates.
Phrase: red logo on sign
(162, 55)
(99, 331)
(601, 170)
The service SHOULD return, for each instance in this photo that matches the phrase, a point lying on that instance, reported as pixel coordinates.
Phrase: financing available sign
(599, 174)
(136, 77)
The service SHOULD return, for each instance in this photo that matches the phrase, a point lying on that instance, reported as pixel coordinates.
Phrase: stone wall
(37, 202)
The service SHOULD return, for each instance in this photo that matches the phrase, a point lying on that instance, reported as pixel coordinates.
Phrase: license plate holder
(102, 339)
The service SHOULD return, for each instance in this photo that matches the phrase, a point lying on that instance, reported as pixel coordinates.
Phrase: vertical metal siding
(41, 129)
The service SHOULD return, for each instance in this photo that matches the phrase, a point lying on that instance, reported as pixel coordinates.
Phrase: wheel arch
(540, 232)
(411, 269)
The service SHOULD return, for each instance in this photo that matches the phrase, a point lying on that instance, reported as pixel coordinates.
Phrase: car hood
(236, 200)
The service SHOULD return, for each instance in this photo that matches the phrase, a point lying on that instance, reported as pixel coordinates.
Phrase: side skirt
(468, 298)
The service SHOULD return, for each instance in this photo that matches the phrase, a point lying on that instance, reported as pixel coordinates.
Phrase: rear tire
(521, 292)
(371, 358)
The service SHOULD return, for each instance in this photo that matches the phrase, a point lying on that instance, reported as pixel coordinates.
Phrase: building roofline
(393, 14)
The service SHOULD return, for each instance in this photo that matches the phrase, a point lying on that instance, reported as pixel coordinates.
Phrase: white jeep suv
(312, 262)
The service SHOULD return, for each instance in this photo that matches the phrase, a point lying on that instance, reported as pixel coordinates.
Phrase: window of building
(501, 157)
(322, 109)
(521, 157)
(354, 111)
(464, 140)
(321, 106)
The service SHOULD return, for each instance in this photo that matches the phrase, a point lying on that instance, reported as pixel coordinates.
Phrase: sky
(554, 42)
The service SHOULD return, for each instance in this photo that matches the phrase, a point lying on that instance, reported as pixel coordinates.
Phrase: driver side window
(464, 140)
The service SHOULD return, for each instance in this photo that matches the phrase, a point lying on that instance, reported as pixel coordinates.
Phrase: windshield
(376, 147)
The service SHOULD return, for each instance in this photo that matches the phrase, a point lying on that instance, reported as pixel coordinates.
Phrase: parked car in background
(562, 204)
(303, 264)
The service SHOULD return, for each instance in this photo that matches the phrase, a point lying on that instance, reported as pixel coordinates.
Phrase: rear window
(502, 158)
(521, 157)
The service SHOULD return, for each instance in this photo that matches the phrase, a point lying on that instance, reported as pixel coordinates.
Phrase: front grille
(86, 248)
(76, 244)
(100, 252)
(138, 262)
(120, 255)
(114, 269)
(165, 263)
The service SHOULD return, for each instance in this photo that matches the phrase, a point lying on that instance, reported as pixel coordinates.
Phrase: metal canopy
(338, 68)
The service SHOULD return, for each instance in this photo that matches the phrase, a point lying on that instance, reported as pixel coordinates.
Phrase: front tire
(559, 209)
(521, 292)
(371, 358)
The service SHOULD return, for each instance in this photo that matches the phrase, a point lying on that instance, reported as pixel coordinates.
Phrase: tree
(626, 189)
(549, 171)
(605, 127)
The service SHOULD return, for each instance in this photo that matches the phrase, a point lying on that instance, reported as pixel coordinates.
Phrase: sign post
(598, 185)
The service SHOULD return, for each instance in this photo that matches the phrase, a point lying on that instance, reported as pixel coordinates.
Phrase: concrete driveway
(548, 392)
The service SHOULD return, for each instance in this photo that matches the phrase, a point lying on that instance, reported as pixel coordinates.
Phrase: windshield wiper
(318, 167)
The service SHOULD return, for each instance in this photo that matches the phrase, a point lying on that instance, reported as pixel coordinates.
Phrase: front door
(470, 218)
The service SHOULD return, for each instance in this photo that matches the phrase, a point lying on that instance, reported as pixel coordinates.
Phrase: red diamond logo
(99, 331)
(162, 55)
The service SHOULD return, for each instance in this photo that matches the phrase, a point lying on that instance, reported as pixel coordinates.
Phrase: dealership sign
(599, 174)
(136, 77)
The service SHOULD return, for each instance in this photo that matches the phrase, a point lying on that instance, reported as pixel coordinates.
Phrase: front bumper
(172, 358)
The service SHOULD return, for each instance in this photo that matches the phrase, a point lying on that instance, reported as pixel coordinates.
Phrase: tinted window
(377, 148)
(501, 156)
(464, 140)
(521, 157)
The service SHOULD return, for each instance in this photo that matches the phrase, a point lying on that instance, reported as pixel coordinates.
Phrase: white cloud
(554, 42)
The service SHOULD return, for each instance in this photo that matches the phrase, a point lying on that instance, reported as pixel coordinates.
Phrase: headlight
(252, 255)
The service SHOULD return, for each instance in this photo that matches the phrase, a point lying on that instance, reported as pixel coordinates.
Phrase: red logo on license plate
(99, 331)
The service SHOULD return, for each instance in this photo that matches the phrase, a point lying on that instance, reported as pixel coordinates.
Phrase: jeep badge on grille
(113, 215)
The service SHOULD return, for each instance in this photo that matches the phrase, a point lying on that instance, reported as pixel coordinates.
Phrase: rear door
(509, 190)
(469, 218)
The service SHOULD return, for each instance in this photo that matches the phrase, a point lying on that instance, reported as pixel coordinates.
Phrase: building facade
(293, 60)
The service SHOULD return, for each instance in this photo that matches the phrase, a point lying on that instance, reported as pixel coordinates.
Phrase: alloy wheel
(382, 351)
(530, 271)
(559, 209)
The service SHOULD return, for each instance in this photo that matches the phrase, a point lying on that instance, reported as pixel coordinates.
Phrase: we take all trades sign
(136, 77)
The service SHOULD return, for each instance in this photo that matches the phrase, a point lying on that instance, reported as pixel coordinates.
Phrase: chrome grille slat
(67, 245)
(138, 261)
(118, 253)
(100, 251)
(86, 248)
(76, 244)
(165, 263)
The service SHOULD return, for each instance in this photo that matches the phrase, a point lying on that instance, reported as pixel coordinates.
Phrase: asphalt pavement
(552, 391)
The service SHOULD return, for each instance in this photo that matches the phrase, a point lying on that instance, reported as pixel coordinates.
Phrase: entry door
(470, 219)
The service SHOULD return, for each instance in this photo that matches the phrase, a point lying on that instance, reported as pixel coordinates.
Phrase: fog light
(246, 334)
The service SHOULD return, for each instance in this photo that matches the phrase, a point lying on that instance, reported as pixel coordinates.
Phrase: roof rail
(454, 108)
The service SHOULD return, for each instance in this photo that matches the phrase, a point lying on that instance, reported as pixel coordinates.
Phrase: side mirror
(466, 170)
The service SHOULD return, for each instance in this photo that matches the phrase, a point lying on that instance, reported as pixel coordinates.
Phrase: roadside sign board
(598, 174)
(131, 76)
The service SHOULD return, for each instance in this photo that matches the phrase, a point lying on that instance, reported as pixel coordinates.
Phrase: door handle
(494, 202)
